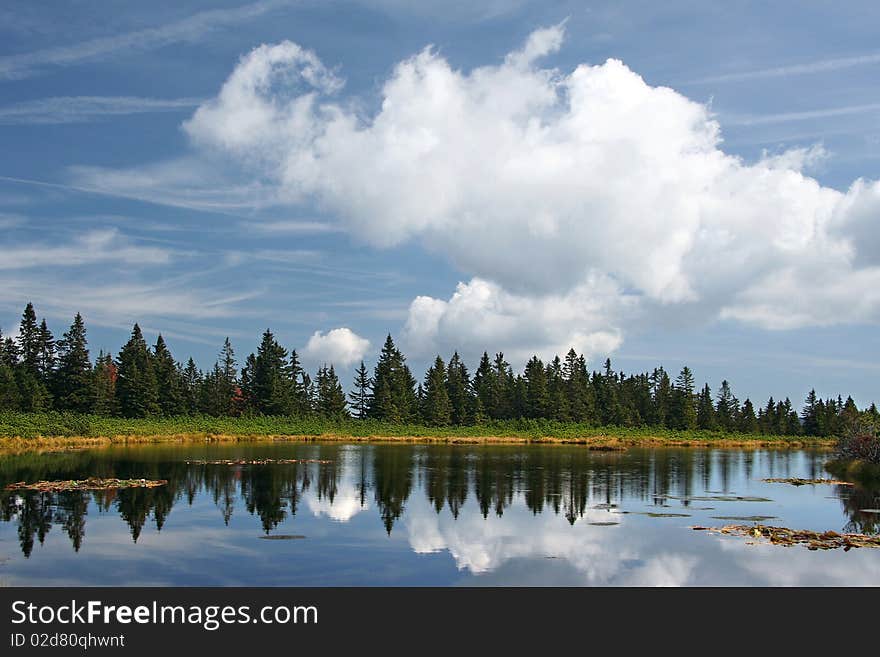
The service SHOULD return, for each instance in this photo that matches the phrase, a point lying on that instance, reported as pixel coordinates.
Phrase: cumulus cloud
(581, 199)
(340, 346)
(481, 314)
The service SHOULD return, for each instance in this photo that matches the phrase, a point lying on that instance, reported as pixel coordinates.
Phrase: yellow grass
(610, 443)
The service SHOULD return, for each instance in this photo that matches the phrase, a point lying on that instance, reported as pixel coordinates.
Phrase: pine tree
(360, 396)
(136, 390)
(436, 409)
(73, 382)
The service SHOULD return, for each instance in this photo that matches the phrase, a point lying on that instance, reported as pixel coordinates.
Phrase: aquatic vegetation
(796, 481)
(92, 483)
(256, 461)
(281, 537)
(745, 518)
(786, 537)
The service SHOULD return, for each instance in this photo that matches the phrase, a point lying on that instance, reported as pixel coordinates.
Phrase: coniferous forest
(39, 373)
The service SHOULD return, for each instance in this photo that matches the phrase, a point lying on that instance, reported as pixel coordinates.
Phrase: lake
(437, 515)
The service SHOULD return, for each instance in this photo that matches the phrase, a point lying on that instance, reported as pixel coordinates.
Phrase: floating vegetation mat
(795, 481)
(721, 498)
(256, 461)
(92, 483)
(282, 537)
(746, 518)
(787, 537)
(604, 524)
(655, 514)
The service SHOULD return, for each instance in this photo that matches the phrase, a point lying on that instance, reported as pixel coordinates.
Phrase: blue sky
(156, 168)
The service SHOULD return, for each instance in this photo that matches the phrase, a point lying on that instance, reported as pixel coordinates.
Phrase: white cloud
(339, 346)
(79, 109)
(90, 248)
(481, 315)
(577, 202)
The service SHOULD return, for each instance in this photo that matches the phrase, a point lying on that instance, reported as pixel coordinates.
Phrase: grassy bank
(47, 430)
(867, 474)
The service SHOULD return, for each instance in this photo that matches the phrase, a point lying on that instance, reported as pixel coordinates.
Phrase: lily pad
(604, 524)
(745, 518)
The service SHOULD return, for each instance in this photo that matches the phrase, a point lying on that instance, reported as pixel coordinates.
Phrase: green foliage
(38, 374)
(137, 392)
(73, 381)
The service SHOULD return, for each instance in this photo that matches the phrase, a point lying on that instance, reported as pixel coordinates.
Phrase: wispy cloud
(81, 109)
(94, 247)
(808, 68)
(291, 226)
(188, 29)
(785, 117)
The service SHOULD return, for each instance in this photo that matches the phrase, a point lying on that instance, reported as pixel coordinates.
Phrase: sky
(659, 183)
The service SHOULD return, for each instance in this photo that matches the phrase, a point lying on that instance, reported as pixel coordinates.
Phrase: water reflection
(427, 488)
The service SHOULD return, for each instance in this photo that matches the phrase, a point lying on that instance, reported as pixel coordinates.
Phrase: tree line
(38, 373)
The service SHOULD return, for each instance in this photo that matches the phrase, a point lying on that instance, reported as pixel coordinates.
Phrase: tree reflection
(560, 480)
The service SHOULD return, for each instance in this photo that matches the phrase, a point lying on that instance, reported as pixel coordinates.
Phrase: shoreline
(596, 442)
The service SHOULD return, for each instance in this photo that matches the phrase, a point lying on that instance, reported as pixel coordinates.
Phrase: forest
(40, 373)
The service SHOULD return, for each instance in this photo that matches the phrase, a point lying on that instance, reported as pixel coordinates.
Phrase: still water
(381, 514)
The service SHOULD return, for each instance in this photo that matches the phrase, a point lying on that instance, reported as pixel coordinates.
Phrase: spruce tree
(360, 396)
(46, 354)
(330, 401)
(706, 410)
(394, 388)
(537, 396)
(436, 409)
(727, 407)
(104, 378)
(192, 382)
(168, 383)
(810, 415)
(484, 385)
(74, 379)
(29, 340)
(747, 422)
(10, 399)
(271, 383)
(137, 393)
(682, 412)
(458, 389)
